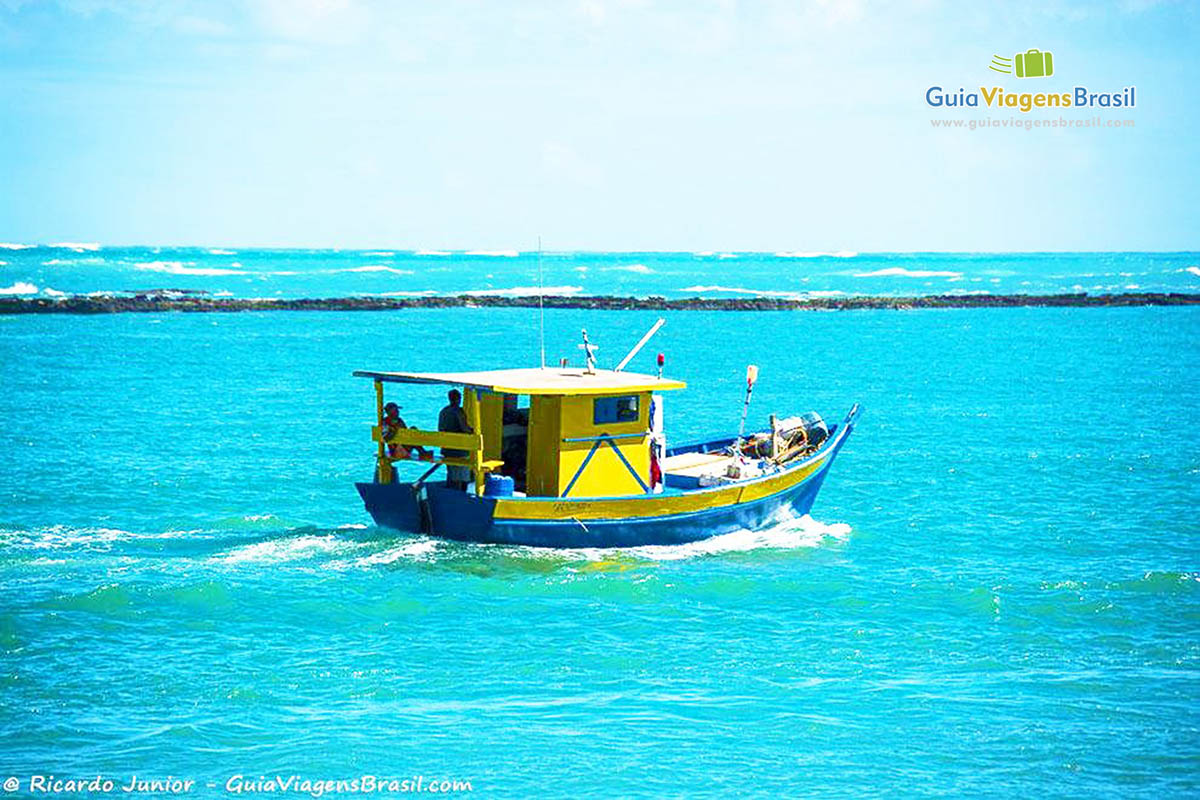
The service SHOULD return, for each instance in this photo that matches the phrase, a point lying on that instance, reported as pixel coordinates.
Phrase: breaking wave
(78, 247)
(816, 254)
(374, 268)
(901, 272)
(525, 291)
(72, 262)
(12, 246)
(743, 290)
(186, 268)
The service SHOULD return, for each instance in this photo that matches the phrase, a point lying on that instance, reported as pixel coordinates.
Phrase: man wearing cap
(393, 423)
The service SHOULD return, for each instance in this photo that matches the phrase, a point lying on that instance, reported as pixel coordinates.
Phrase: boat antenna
(541, 307)
(751, 377)
(641, 343)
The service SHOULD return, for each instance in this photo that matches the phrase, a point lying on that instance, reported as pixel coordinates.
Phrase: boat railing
(416, 437)
(470, 443)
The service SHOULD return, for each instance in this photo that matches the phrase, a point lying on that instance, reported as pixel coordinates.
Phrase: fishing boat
(578, 457)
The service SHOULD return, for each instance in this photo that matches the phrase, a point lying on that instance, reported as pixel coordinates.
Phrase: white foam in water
(374, 268)
(743, 290)
(525, 291)
(901, 272)
(11, 246)
(288, 549)
(20, 287)
(62, 536)
(787, 532)
(1193, 270)
(188, 268)
(806, 254)
(640, 269)
(73, 262)
(78, 247)
(219, 252)
(431, 252)
(416, 549)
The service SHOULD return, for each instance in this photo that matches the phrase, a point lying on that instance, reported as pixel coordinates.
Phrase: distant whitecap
(78, 247)
(374, 268)
(525, 291)
(19, 288)
(185, 268)
(744, 290)
(816, 254)
(901, 272)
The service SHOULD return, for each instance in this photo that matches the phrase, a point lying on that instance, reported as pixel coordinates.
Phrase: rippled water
(79, 268)
(997, 593)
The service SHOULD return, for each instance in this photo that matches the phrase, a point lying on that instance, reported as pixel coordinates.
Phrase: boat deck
(695, 464)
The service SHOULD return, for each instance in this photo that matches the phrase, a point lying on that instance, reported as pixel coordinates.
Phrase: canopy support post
(474, 419)
(384, 468)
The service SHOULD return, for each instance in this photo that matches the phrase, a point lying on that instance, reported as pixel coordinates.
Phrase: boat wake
(786, 533)
(258, 541)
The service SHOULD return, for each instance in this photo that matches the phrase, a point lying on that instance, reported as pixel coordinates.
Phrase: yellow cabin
(583, 434)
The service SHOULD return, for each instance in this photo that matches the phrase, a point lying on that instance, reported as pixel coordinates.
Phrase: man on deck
(452, 419)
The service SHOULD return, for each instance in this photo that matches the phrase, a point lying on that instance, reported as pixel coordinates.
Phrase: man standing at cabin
(452, 419)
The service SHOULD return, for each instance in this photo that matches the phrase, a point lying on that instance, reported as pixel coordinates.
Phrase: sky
(595, 125)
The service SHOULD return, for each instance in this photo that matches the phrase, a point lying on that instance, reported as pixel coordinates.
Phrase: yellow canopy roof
(548, 380)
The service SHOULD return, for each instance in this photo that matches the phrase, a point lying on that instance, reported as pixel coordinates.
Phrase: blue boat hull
(450, 513)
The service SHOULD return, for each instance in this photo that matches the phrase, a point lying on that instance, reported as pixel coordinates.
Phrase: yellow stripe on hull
(654, 505)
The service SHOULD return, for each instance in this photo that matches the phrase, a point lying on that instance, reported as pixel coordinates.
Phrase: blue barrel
(497, 485)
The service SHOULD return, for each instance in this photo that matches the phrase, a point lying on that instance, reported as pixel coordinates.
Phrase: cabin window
(608, 410)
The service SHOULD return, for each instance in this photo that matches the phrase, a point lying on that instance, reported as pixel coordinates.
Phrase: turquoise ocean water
(998, 592)
(81, 267)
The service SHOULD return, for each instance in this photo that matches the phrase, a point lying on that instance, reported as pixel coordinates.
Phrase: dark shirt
(452, 419)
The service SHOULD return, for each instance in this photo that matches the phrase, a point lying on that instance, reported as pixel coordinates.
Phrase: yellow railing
(413, 437)
(471, 443)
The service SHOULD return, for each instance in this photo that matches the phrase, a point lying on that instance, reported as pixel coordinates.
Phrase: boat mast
(541, 307)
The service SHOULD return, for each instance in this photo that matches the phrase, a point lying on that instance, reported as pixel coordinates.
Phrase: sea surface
(997, 593)
(82, 268)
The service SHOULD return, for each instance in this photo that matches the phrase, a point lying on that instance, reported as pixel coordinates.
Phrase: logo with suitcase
(1032, 63)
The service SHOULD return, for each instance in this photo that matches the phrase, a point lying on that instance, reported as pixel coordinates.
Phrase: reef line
(179, 300)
